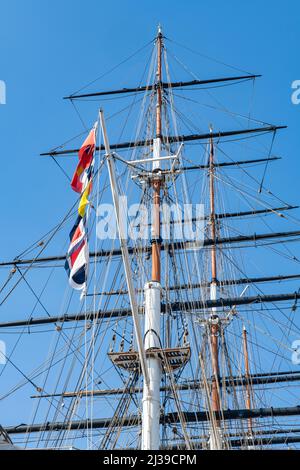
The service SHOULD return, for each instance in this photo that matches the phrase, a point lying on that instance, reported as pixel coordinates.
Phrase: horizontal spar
(163, 85)
(237, 381)
(229, 215)
(266, 441)
(173, 139)
(169, 418)
(171, 307)
(201, 285)
(221, 165)
(274, 210)
(182, 169)
(164, 247)
(242, 442)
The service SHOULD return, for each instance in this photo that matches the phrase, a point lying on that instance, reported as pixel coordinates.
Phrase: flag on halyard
(86, 155)
(84, 201)
(77, 259)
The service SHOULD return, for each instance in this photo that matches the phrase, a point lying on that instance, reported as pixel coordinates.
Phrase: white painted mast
(152, 342)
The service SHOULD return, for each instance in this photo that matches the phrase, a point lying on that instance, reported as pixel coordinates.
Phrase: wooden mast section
(156, 241)
(247, 376)
(215, 440)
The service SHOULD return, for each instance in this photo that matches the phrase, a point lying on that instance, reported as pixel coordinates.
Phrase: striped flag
(86, 155)
(77, 259)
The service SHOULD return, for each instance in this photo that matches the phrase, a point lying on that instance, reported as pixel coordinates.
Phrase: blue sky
(51, 48)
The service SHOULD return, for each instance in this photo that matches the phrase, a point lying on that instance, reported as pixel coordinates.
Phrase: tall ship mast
(176, 314)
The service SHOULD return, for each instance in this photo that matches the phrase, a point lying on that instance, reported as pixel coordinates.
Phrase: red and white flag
(86, 155)
(77, 259)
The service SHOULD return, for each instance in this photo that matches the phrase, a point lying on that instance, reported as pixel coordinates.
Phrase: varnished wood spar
(215, 398)
(247, 375)
(156, 242)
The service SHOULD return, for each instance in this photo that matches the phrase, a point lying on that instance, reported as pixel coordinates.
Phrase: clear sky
(51, 48)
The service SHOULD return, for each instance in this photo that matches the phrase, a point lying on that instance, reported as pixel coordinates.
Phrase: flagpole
(124, 250)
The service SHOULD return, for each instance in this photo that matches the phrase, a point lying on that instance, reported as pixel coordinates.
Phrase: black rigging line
(253, 178)
(10, 275)
(32, 291)
(40, 241)
(114, 67)
(19, 370)
(206, 56)
(38, 254)
(61, 168)
(79, 115)
(185, 98)
(266, 165)
(61, 146)
(257, 288)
